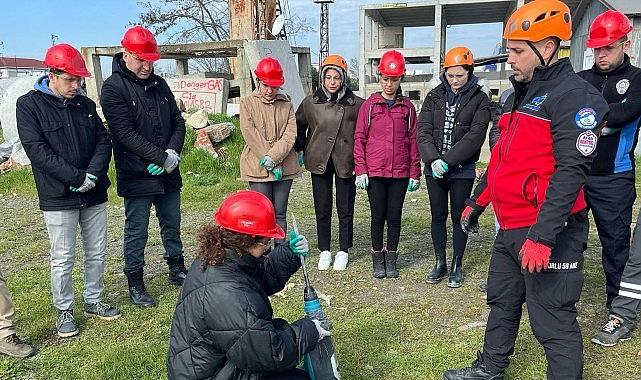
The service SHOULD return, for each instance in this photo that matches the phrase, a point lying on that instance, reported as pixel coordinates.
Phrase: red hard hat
(392, 64)
(66, 58)
(141, 42)
(269, 71)
(249, 212)
(608, 27)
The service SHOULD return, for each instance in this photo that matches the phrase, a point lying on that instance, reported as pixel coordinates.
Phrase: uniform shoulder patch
(586, 143)
(622, 86)
(585, 118)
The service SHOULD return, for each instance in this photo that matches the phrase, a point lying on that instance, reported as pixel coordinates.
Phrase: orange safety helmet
(142, 43)
(335, 60)
(539, 19)
(249, 212)
(66, 58)
(269, 71)
(392, 64)
(608, 27)
(458, 56)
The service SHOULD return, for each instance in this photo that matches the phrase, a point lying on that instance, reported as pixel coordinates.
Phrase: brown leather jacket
(269, 128)
(326, 129)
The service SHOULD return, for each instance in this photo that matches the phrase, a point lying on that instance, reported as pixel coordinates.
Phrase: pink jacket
(385, 139)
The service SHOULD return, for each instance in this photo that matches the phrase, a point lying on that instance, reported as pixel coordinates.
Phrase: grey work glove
(267, 163)
(439, 168)
(362, 181)
(172, 160)
(322, 332)
(320, 316)
(88, 184)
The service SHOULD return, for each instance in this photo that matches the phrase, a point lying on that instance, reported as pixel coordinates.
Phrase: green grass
(383, 329)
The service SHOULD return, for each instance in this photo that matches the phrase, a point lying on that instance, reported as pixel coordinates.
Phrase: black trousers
(290, 374)
(551, 296)
(386, 198)
(322, 188)
(278, 193)
(611, 198)
(459, 190)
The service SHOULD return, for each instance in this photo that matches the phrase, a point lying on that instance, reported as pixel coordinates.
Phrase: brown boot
(13, 346)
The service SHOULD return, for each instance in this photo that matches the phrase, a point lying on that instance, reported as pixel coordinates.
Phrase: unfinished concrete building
(383, 26)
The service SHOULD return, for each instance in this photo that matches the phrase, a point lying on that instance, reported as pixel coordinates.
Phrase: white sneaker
(324, 260)
(340, 261)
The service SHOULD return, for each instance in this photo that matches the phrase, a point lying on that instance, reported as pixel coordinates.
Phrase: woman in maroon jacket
(386, 158)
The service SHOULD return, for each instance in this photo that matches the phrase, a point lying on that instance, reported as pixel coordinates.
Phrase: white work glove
(267, 163)
(362, 181)
(322, 333)
(88, 184)
(172, 161)
(413, 184)
(439, 168)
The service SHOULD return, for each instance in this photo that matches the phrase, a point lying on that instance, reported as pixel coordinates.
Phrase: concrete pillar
(243, 73)
(440, 28)
(365, 44)
(95, 81)
(305, 71)
(182, 66)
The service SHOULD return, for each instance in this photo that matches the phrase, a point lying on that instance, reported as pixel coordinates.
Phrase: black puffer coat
(223, 327)
(144, 121)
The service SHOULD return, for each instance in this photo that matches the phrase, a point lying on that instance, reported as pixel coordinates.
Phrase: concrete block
(219, 132)
(198, 119)
(208, 94)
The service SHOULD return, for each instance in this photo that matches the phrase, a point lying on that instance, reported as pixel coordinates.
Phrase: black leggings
(386, 197)
(290, 374)
(459, 190)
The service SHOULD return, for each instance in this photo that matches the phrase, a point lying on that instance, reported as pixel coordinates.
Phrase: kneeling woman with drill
(223, 326)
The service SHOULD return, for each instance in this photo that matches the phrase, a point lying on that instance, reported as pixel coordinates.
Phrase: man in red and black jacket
(535, 183)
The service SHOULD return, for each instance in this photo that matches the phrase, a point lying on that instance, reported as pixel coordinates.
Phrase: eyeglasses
(68, 80)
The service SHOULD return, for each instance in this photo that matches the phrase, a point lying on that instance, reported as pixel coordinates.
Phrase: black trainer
(476, 372)
(611, 333)
(101, 310)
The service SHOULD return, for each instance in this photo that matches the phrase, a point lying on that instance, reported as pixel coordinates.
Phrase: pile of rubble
(208, 134)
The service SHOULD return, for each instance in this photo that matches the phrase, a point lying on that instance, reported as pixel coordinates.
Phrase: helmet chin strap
(538, 53)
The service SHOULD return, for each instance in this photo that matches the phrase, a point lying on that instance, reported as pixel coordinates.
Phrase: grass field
(384, 329)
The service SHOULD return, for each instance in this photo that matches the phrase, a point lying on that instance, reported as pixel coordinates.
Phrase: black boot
(456, 273)
(177, 270)
(378, 263)
(137, 291)
(476, 372)
(390, 264)
(439, 271)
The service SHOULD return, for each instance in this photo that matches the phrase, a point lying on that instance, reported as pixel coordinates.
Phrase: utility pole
(324, 29)
(54, 38)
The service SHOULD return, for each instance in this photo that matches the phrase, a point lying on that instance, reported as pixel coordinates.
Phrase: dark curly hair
(213, 240)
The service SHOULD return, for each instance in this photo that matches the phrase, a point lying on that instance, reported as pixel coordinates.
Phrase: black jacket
(472, 118)
(64, 139)
(144, 120)
(621, 88)
(223, 327)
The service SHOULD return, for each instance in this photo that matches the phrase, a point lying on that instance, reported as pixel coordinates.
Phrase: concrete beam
(94, 82)
(408, 53)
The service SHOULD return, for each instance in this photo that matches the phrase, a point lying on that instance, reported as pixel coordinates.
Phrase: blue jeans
(137, 226)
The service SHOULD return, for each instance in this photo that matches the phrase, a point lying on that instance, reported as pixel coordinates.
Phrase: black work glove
(470, 217)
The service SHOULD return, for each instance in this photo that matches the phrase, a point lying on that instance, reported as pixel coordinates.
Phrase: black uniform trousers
(322, 188)
(386, 197)
(611, 197)
(551, 296)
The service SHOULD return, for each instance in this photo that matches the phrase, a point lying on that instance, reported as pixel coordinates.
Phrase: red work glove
(534, 256)
(470, 219)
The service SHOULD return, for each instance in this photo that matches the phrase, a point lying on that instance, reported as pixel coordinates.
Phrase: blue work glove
(413, 184)
(267, 163)
(301, 158)
(154, 169)
(362, 181)
(278, 173)
(439, 168)
(298, 243)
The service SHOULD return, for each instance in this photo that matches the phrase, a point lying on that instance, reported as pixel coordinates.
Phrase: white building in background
(11, 67)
